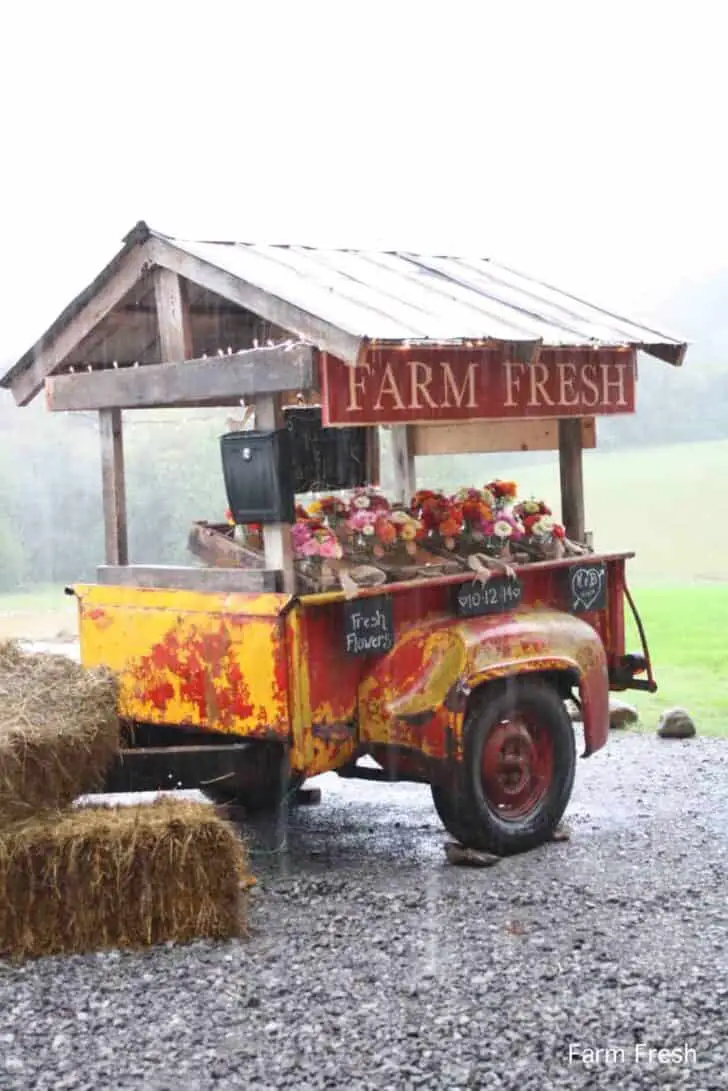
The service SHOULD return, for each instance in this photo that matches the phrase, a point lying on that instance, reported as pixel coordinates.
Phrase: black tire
(507, 720)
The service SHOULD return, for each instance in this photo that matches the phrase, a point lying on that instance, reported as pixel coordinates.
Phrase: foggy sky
(578, 142)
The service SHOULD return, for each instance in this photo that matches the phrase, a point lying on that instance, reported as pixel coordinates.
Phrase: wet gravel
(375, 964)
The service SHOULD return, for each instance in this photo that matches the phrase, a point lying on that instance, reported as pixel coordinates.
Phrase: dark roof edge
(140, 232)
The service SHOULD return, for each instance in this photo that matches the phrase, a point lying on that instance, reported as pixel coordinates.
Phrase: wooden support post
(404, 463)
(572, 478)
(112, 480)
(175, 337)
(277, 542)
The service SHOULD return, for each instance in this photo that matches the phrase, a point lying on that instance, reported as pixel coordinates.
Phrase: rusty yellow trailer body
(274, 667)
(194, 659)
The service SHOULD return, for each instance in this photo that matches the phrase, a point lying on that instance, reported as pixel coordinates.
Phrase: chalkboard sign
(499, 595)
(368, 626)
(587, 587)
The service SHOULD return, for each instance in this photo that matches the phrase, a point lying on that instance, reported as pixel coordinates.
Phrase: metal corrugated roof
(402, 296)
(349, 296)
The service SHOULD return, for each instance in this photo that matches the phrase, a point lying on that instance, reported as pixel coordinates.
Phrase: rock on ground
(676, 724)
(621, 714)
(375, 964)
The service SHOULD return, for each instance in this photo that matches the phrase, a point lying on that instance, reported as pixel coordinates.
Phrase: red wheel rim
(516, 766)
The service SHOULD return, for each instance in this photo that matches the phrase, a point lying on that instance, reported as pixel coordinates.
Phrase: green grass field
(687, 634)
(661, 503)
(43, 613)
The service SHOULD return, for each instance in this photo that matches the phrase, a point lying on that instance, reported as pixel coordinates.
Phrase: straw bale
(59, 731)
(120, 877)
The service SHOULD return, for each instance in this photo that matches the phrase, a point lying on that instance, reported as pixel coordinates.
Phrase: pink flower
(300, 535)
(362, 519)
(330, 547)
(508, 525)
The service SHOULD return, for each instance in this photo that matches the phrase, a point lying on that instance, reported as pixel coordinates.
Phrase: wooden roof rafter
(217, 381)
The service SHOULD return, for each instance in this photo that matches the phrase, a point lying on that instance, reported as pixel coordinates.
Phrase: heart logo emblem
(587, 586)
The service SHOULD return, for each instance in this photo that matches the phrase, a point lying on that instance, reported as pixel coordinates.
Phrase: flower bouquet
(543, 538)
(366, 507)
(503, 492)
(317, 551)
(477, 507)
(315, 540)
(440, 518)
(396, 533)
(331, 510)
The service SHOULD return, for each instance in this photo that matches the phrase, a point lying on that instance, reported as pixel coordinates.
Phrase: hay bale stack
(120, 877)
(59, 731)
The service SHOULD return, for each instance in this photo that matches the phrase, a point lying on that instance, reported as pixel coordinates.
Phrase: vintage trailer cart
(246, 682)
(441, 680)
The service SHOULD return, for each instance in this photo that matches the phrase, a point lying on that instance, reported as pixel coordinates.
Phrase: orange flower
(449, 527)
(385, 531)
(502, 490)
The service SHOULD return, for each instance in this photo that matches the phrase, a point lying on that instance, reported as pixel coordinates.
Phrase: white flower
(544, 526)
(368, 529)
(502, 529)
(361, 502)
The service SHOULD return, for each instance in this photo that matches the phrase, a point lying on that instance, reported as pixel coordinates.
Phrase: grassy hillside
(667, 504)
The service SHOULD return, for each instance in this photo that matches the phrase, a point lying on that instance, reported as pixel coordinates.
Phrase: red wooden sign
(421, 385)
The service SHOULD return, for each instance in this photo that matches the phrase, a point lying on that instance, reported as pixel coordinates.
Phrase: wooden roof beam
(346, 346)
(221, 380)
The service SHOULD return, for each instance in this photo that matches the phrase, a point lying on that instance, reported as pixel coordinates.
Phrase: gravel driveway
(374, 964)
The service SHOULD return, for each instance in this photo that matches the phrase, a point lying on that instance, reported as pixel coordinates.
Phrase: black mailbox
(259, 476)
(326, 458)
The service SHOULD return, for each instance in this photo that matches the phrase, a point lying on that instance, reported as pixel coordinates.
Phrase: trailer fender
(546, 642)
(416, 695)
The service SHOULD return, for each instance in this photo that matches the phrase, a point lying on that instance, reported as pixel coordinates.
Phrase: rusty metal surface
(417, 694)
(262, 666)
(192, 658)
(400, 296)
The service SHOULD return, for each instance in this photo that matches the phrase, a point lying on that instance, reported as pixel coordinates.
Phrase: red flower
(502, 490)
